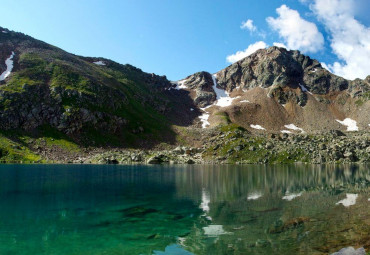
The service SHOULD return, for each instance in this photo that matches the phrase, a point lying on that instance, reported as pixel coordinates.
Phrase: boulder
(154, 160)
(190, 161)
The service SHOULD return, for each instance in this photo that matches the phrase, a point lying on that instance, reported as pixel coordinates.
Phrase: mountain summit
(274, 87)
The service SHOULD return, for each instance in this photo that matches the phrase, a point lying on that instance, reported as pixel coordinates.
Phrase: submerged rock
(138, 211)
(281, 226)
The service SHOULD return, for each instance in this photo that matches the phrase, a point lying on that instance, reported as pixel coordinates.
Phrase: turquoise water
(86, 209)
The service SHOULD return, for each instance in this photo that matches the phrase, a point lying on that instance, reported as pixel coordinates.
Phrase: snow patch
(349, 200)
(304, 89)
(180, 84)
(244, 101)
(257, 127)
(204, 119)
(290, 197)
(223, 98)
(4, 32)
(349, 123)
(254, 196)
(285, 131)
(294, 127)
(99, 63)
(191, 109)
(9, 67)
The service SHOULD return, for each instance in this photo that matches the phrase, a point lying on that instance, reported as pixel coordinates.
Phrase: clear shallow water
(83, 209)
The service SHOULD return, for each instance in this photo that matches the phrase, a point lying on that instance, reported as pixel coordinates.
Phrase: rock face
(202, 84)
(38, 105)
(275, 87)
(279, 67)
(73, 94)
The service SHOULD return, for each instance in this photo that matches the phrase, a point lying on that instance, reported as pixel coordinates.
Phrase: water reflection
(279, 209)
(296, 209)
(229, 182)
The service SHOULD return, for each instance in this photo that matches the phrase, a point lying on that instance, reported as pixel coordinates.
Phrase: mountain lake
(183, 209)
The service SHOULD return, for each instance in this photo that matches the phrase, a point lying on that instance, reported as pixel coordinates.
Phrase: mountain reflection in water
(254, 209)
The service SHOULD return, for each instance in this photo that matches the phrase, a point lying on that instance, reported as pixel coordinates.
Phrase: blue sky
(177, 37)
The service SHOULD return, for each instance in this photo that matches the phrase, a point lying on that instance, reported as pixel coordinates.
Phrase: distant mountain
(274, 88)
(49, 95)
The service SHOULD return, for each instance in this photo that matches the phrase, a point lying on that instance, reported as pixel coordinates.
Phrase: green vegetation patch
(364, 98)
(14, 152)
(235, 145)
(53, 137)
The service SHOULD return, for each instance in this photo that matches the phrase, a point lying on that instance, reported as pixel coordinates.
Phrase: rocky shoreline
(240, 147)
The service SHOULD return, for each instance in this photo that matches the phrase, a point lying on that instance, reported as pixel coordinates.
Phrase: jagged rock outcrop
(279, 67)
(39, 105)
(359, 87)
(276, 87)
(201, 83)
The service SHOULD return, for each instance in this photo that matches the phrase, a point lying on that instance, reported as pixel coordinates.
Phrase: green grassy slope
(110, 105)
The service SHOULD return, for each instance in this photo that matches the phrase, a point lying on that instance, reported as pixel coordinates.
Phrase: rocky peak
(202, 84)
(200, 81)
(279, 67)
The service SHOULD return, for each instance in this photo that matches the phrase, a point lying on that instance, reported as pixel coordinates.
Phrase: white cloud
(350, 40)
(248, 25)
(281, 45)
(324, 65)
(245, 53)
(298, 33)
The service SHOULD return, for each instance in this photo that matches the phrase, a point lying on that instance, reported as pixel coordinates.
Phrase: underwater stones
(138, 211)
(280, 226)
(153, 236)
(262, 243)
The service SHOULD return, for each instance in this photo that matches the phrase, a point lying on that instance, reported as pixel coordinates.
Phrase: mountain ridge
(93, 102)
(289, 79)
